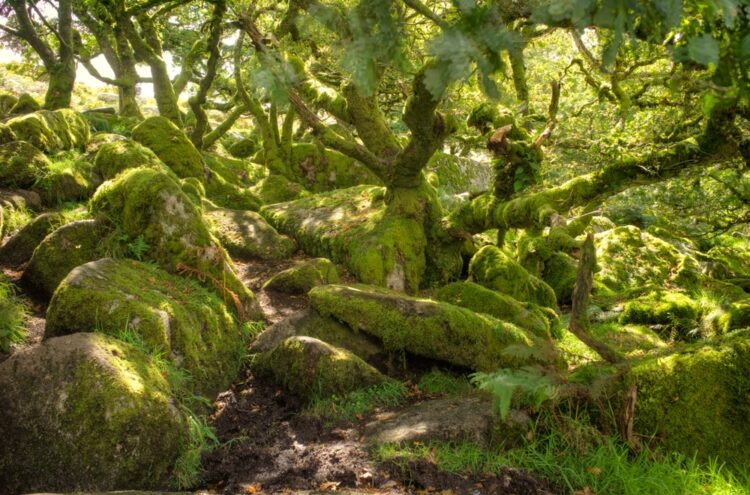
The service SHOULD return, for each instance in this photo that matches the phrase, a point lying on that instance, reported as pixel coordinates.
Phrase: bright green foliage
(494, 269)
(114, 157)
(531, 385)
(426, 328)
(13, 312)
(310, 368)
(677, 311)
(438, 382)
(171, 145)
(175, 316)
(22, 164)
(357, 403)
(301, 278)
(502, 306)
(86, 411)
(148, 203)
(628, 339)
(64, 249)
(246, 234)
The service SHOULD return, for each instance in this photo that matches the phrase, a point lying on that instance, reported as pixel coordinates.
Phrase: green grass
(358, 403)
(607, 468)
(13, 313)
(16, 218)
(438, 382)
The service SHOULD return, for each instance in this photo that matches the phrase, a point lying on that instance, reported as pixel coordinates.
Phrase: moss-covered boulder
(64, 249)
(171, 145)
(301, 278)
(247, 234)
(25, 104)
(696, 399)
(494, 269)
(453, 175)
(631, 261)
(310, 368)
(86, 412)
(175, 316)
(243, 148)
(22, 164)
(18, 248)
(52, 131)
(676, 312)
(734, 261)
(116, 156)
(276, 189)
(502, 306)
(228, 195)
(149, 204)
(239, 172)
(70, 177)
(320, 169)
(99, 139)
(6, 134)
(427, 328)
(560, 272)
(7, 102)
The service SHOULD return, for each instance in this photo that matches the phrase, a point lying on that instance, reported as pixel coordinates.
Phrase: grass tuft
(358, 403)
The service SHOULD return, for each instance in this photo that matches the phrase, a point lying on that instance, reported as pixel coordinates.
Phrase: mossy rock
(64, 249)
(247, 234)
(494, 269)
(696, 400)
(171, 145)
(676, 312)
(310, 368)
(301, 278)
(309, 322)
(320, 169)
(52, 131)
(116, 156)
(7, 102)
(147, 203)
(423, 327)
(175, 316)
(560, 272)
(277, 189)
(194, 189)
(229, 195)
(6, 134)
(99, 139)
(110, 122)
(86, 412)
(22, 164)
(628, 339)
(70, 177)
(243, 148)
(631, 260)
(18, 248)
(734, 260)
(234, 171)
(502, 306)
(351, 227)
(25, 104)
(453, 175)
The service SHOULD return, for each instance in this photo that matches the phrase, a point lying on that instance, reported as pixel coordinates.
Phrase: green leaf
(703, 50)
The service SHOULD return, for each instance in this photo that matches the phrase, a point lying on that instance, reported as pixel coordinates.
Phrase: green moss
(52, 131)
(64, 249)
(276, 189)
(194, 189)
(494, 269)
(228, 195)
(320, 169)
(171, 145)
(452, 175)
(238, 172)
(114, 157)
(628, 339)
(423, 327)
(734, 260)
(7, 102)
(21, 164)
(69, 178)
(19, 247)
(310, 368)
(301, 278)
(25, 104)
(6, 134)
(148, 203)
(695, 400)
(13, 313)
(175, 317)
(247, 234)
(677, 311)
(86, 412)
(502, 306)
(560, 272)
(243, 148)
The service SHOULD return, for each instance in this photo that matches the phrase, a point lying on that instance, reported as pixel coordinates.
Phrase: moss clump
(277, 189)
(86, 412)
(630, 260)
(174, 316)
(228, 195)
(734, 260)
(247, 234)
(239, 172)
(116, 156)
(13, 313)
(310, 368)
(194, 189)
(7, 102)
(243, 148)
(628, 339)
(502, 306)
(70, 177)
(560, 272)
(423, 327)
(303, 277)
(171, 145)
(146, 203)
(25, 104)
(494, 269)
(695, 400)
(21, 164)
(6, 134)
(677, 311)
(64, 249)
(20, 246)
(52, 131)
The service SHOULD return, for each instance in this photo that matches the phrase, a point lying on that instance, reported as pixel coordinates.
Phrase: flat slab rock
(451, 418)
